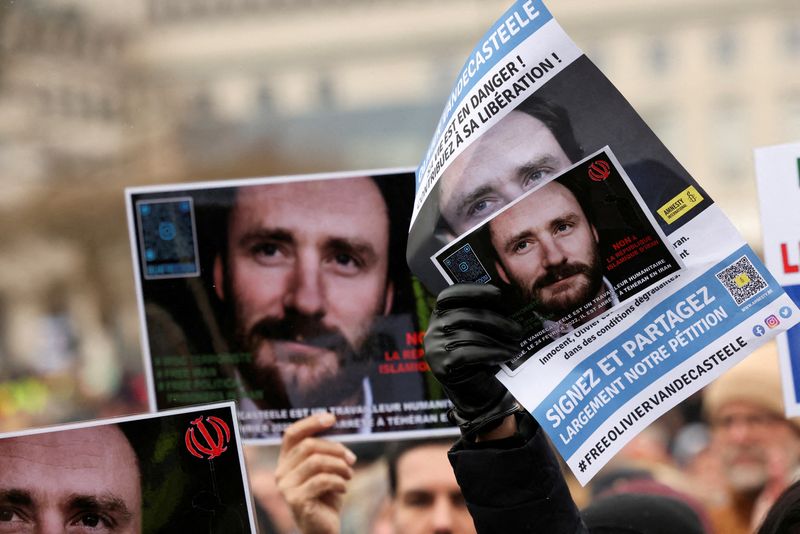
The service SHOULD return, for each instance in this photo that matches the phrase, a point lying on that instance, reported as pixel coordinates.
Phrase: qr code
(742, 280)
(167, 238)
(464, 266)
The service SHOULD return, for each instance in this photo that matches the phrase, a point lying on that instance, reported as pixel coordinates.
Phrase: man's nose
(306, 293)
(442, 520)
(741, 431)
(552, 253)
(49, 522)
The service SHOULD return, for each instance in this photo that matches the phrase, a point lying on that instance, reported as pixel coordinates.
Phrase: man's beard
(746, 477)
(581, 290)
(298, 361)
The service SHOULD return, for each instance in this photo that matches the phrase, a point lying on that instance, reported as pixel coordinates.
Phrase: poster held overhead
(289, 295)
(633, 298)
(778, 177)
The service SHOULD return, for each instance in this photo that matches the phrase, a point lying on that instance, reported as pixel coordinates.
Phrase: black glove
(468, 337)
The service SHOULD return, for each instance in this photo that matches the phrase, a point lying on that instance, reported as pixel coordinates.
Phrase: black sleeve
(515, 484)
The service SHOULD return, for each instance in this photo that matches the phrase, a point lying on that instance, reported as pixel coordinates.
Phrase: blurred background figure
(323, 484)
(757, 446)
(784, 515)
(366, 506)
(272, 513)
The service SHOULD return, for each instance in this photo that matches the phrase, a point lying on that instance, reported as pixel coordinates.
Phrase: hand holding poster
(176, 471)
(289, 295)
(632, 299)
(778, 175)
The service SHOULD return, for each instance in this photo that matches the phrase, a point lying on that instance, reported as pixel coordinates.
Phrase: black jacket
(515, 485)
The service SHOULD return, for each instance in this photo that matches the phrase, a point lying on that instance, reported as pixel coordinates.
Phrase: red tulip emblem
(200, 441)
(599, 170)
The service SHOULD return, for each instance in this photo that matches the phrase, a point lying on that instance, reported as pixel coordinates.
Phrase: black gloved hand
(468, 337)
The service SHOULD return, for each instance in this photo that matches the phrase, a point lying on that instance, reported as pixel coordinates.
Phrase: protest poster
(778, 178)
(176, 471)
(512, 248)
(289, 295)
(528, 106)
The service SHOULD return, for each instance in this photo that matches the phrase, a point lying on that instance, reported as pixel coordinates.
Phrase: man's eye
(344, 259)
(521, 246)
(563, 227)
(344, 263)
(483, 208)
(534, 177)
(478, 207)
(269, 253)
(458, 500)
(418, 501)
(266, 249)
(91, 522)
(8, 515)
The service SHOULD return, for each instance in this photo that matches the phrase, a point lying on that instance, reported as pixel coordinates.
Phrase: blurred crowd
(68, 373)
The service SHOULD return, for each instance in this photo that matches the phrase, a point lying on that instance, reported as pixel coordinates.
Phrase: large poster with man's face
(631, 300)
(573, 248)
(538, 136)
(289, 295)
(177, 471)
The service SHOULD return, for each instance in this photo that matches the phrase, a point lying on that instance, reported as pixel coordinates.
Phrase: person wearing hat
(757, 446)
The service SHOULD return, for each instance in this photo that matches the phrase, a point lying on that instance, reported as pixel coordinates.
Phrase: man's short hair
(556, 119)
(582, 196)
(136, 440)
(398, 448)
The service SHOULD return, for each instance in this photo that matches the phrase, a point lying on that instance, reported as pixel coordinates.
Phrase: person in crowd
(757, 446)
(784, 515)
(73, 481)
(313, 472)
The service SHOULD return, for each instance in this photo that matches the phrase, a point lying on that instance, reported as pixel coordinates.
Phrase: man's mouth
(747, 459)
(559, 277)
(295, 352)
(562, 282)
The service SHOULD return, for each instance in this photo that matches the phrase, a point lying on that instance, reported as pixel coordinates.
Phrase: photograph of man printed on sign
(576, 113)
(570, 250)
(300, 301)
(177, 471)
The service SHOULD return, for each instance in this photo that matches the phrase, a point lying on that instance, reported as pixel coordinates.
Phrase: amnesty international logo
(741, 280)
(680, 205)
